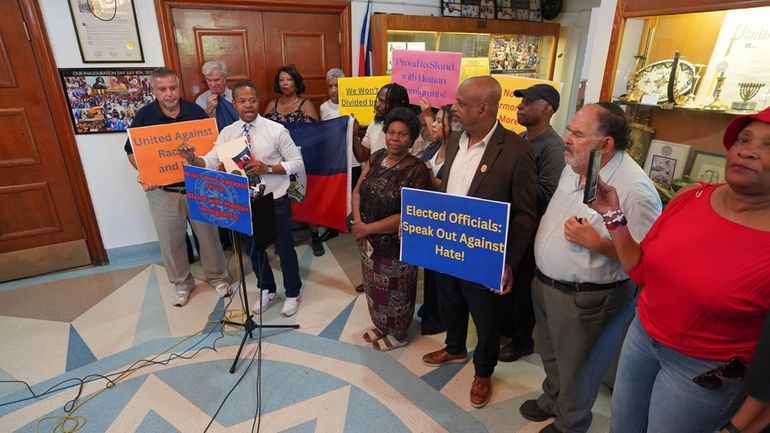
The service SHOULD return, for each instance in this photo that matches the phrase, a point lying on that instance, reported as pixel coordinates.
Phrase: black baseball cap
(545, 92)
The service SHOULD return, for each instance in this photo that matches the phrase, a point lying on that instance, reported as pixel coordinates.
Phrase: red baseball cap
(739, 122)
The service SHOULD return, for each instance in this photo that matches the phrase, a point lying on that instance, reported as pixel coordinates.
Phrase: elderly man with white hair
(217, 100)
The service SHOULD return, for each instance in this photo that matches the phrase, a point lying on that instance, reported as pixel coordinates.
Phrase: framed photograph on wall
(707, 167)
(107, 31)
(666, 161)
(451, 8)
(105, 100)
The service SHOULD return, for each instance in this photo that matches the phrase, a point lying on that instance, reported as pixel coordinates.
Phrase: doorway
(254, 40)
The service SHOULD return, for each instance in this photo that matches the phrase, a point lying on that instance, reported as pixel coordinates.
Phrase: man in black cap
(538, 103)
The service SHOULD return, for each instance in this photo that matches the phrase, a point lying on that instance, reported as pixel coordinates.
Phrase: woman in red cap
(705, 272)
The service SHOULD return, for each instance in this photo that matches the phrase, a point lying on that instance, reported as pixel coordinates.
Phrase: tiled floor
(321, 377)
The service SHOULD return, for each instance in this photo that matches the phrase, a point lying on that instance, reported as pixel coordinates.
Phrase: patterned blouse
(381, 195)
(296, 116)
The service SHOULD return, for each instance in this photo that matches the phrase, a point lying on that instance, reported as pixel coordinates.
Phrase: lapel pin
(484, 168)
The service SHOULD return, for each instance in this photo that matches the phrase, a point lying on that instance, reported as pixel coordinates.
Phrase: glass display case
(519, 48)
(726, 68)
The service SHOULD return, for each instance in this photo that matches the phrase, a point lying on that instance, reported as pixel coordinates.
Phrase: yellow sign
(509, 103)
(155, 148)
(358, 95)
(474, 67)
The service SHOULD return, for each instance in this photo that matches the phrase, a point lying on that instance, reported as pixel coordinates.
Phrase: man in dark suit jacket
(486, 161)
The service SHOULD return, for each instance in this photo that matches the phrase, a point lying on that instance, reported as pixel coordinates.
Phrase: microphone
(256, 186)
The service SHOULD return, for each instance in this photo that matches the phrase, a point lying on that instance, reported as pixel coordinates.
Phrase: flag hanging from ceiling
(365, 46)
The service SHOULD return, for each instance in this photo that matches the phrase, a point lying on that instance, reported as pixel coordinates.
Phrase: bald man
(487, 161)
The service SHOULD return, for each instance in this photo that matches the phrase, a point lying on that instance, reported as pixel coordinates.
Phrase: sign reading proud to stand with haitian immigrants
(433, 75)
(358, 95)
(155, 148)
(457, 235)
(219, 198)
(509, 103)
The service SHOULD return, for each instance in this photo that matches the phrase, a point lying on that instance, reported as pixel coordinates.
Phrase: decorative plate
(653, 78)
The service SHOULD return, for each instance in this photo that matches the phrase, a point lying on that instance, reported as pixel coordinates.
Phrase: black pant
(518, 316)
(457, 298)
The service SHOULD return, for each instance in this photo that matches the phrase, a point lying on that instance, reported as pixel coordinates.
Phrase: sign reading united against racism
(509, 103)
(155, 148)
(218, 198)
(457, 235)
(433, 75)
(358, 95)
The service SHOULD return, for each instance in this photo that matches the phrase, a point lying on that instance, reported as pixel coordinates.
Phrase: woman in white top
(440, 130)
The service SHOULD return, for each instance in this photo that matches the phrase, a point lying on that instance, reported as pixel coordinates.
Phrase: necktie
(246, 128)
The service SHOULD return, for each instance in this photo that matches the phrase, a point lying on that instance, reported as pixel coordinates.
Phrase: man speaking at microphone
(275, 157)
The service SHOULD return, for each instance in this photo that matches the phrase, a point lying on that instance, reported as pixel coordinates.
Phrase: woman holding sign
(390, 285)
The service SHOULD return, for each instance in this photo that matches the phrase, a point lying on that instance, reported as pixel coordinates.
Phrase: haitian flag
(324, 146)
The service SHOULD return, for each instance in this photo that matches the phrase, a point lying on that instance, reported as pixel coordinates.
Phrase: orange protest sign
(155, 148)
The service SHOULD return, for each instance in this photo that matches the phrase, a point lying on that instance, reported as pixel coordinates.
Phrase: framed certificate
(107, 31)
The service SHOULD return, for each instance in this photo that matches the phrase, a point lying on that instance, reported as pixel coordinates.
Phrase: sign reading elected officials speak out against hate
(433, 75)
(155, 148)
(358, 95)
(457, 235)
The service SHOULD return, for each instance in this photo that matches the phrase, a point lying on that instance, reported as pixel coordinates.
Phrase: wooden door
(232, 36)
(307, 41)
(254, 40)
(40, 227)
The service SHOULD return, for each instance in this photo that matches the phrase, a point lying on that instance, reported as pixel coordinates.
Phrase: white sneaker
(264, 302)
(182, 296)
(290, 306)
(224, 289)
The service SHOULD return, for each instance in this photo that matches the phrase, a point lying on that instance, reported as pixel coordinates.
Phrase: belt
(179, 190)
(570, 287)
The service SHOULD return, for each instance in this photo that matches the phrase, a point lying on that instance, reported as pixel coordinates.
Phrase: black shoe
(532, 412)
(330, 234)
(550, 428)
(317, 245)
(510, 353)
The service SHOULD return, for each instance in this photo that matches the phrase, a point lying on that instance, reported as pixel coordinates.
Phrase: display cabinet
(511, 47)
(684, 71)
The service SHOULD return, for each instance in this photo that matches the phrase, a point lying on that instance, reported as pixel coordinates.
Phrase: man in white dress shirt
(276, 157)
(581, 295)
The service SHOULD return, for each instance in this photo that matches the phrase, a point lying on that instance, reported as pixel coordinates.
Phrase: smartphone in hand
(592, 176)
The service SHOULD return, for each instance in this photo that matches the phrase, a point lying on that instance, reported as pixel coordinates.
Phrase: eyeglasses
(712, 379)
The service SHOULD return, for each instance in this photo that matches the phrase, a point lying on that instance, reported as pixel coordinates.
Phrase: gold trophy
(716, 104)
(747, 91)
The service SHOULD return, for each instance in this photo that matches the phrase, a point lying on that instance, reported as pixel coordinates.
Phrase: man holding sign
(486, 161)
(168, 203)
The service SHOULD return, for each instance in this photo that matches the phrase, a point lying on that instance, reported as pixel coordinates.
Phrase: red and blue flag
(324, 146)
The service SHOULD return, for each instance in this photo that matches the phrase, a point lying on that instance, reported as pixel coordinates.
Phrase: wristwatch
(269, 169)
(730, 427)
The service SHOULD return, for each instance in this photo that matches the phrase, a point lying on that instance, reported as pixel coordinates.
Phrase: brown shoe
(441, 357)
(481, 391)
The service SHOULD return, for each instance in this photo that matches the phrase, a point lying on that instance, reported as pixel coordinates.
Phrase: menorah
(747, 91)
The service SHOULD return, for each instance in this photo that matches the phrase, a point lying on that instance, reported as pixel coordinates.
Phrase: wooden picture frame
(707, 167)
(666, 161)
(107, 31)
(103, 100)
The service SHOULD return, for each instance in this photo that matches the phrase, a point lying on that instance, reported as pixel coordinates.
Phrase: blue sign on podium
(456, 235)
(218, 198)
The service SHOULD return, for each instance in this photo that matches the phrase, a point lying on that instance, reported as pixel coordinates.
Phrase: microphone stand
(248, 325)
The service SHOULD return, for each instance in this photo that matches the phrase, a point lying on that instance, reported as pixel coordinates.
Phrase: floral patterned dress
(390, 285)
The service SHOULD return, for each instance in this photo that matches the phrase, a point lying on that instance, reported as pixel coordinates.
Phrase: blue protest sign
(460, 236)
(218, 198)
